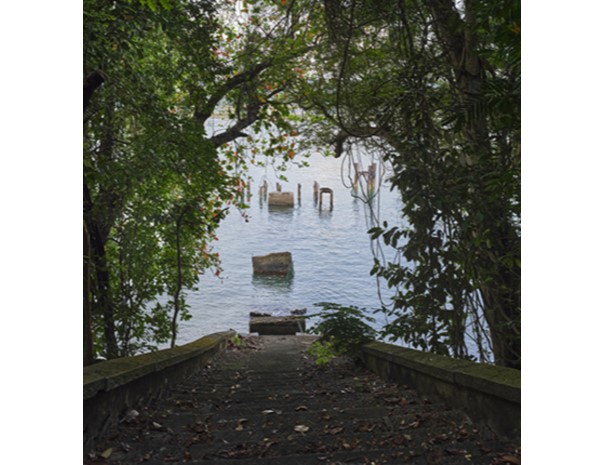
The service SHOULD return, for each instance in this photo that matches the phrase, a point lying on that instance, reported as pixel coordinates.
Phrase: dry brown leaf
(456, 451)
(511, 459)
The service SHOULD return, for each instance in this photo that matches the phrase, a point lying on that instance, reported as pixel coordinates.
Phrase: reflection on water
(331, 253)
(273, 283)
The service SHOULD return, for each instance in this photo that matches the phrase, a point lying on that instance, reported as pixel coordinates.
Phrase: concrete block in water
(279, 263)
(281, 199)
(277, 325)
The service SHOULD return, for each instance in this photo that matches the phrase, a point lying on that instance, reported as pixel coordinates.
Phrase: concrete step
(255, 407)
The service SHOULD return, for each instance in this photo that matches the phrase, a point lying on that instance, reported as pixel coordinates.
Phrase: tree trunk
(97, 239)
(179, 279)
(88, 350)
(103, 294)
(502, 302)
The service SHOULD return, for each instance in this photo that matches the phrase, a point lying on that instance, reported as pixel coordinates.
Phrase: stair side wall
(115, 386)
(487, 393)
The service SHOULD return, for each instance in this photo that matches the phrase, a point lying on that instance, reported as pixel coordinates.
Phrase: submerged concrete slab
(277, 325)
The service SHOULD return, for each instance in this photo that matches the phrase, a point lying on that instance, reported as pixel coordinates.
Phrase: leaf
(106, 453)
(240, 424)
(511, 459)
(301, 428)
(337, 430)
(301, 408)
(456, 451)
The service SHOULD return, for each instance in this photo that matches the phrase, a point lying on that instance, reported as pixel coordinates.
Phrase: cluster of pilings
(279, 198)
(369, 175)
(318, 193)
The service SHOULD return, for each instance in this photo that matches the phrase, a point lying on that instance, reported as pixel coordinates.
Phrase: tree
(155, 184)
(435, 86)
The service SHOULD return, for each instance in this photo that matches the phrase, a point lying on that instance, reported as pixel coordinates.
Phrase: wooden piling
(371, 177)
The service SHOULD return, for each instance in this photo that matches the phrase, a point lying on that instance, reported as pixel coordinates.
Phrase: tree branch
(230, 84)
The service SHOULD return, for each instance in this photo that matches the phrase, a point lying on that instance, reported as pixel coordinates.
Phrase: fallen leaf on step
(456, 451)
(301, 408)
(511, 459)
(106, 453)
(338, 429)
(240, 424)
(301, 428)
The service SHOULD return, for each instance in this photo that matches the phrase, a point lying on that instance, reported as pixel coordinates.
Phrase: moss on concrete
(489, 393)
(112, 373)
(496, 380)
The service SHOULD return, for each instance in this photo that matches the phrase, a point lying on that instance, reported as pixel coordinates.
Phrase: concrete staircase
(265, 402)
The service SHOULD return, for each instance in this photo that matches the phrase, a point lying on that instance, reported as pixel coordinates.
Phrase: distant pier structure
(263, 190)
(369, 175)
(328, 191)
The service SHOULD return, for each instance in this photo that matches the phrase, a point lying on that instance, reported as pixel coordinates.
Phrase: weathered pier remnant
(315, 192)
(299, 192)
(279, 263)
(330, 192)
(277, 325)
(278, 187)
(281, 199)
(369, 176)
(262, 191)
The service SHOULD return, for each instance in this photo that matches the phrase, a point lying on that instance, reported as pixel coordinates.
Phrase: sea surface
(331, 250)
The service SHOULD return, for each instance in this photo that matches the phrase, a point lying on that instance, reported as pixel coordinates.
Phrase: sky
(562, 185)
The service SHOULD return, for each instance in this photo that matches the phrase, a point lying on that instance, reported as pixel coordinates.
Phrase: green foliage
(342, 328)
(236, 340)
(156, 185)
(322, 352)
(445, 114)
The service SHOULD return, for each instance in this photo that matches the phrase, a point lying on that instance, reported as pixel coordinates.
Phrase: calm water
(331, 252)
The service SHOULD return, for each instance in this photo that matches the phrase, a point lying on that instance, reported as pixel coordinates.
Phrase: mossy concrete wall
(114, 386)
(487, 393)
